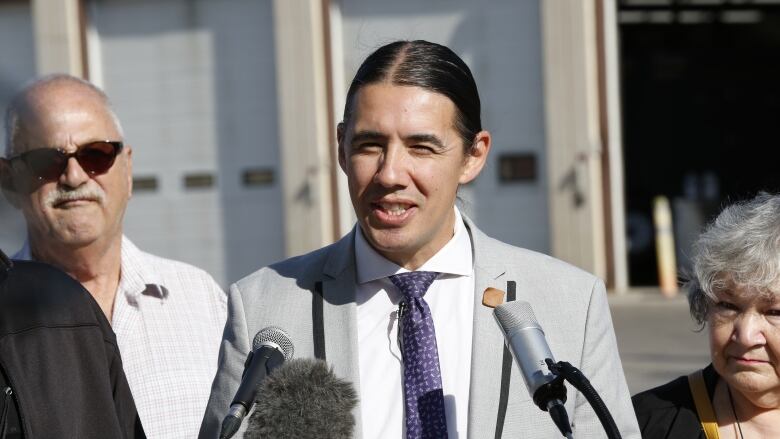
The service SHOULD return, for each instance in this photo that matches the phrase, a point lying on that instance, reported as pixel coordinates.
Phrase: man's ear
(340, 131)
(129, 170)
(476, 157)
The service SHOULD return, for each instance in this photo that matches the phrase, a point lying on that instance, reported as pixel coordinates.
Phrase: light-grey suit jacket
(312, 297)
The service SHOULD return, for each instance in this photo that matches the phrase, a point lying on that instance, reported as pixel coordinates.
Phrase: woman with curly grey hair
(735, 295)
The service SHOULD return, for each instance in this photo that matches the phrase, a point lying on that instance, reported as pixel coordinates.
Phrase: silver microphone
(525, 339)
(270, 349)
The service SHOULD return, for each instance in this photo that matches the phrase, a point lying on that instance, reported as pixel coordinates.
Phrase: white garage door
(194, 85)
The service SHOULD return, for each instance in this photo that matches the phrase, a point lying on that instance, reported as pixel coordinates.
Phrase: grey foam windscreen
(303, 399)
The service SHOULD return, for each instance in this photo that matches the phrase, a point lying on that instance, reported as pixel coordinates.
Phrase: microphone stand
(563, 370)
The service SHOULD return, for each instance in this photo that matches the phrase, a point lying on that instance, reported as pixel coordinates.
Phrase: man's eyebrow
(367, 135)
(426, 138)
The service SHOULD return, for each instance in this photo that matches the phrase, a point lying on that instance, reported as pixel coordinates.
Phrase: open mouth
(392, 213)
(394, 209)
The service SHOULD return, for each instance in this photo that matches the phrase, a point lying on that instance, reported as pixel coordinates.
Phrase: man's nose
(393, 167)
(74, 175)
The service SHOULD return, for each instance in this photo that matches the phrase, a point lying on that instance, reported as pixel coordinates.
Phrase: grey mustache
(58, 195)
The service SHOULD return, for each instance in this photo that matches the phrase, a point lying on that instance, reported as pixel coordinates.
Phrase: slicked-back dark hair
(426, 65)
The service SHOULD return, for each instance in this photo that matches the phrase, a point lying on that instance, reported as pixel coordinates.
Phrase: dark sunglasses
(47, 164)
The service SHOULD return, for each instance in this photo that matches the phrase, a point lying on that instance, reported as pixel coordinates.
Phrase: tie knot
(413, 284)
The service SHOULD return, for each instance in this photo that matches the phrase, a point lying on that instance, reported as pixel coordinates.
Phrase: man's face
(404, 161)
(76, 209)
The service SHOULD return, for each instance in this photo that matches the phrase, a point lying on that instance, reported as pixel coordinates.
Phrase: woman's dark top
(668, 411)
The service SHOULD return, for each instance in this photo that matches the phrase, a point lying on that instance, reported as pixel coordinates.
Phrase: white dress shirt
(168, 318)
(451, 300)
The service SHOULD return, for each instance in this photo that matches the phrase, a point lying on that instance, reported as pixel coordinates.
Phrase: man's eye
(368, 146)
(422, 149)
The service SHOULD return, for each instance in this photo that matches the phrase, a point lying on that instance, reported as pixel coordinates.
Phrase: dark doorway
(701, 108)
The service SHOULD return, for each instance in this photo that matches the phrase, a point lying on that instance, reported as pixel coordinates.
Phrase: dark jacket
(668, 411)
(60, 371)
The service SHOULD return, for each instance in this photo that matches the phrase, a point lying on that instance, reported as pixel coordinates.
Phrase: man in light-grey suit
(411, 135)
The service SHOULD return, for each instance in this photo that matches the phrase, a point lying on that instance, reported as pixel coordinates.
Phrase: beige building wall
(58, 36)
(305, 141)
(574, 142)
(312, 202)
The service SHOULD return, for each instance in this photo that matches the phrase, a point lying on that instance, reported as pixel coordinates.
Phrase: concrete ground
(656, 337)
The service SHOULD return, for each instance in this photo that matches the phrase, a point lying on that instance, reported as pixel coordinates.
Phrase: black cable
(578, 380)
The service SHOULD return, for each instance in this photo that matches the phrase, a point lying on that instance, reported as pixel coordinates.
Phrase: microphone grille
(277, 336)
(514, 315)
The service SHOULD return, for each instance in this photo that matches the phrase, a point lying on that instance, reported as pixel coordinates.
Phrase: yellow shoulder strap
(703, 405)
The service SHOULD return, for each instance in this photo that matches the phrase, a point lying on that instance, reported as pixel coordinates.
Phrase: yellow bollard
(664, 246)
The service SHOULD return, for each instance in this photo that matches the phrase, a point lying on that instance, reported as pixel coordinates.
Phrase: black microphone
(270, 348)
(303, 400)
(525, 338)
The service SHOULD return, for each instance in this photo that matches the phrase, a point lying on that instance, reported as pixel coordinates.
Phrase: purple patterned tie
(423, 393)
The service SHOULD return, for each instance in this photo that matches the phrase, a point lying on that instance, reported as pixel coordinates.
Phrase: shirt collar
(454, 258)
(137, 277)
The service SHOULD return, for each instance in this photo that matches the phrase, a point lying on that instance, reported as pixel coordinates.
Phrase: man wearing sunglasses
(68, 170)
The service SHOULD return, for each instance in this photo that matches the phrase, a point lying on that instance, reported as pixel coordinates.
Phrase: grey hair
(740, 249)
(13, 121)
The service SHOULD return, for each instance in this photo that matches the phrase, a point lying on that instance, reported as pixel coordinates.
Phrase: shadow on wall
(12, 229)
(16, 43)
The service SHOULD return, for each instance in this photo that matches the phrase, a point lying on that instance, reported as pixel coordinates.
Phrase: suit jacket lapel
(340, 316)
(487, 345)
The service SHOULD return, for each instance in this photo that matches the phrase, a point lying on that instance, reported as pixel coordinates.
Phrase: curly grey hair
(13, 114)
(740, 249)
